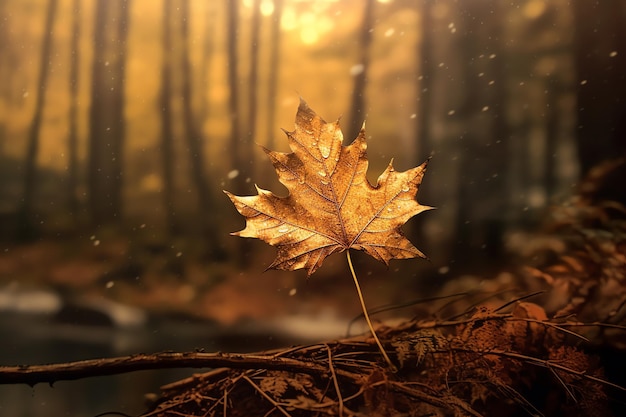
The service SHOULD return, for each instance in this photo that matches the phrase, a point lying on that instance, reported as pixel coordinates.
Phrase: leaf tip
(304, 106)
(230, 195)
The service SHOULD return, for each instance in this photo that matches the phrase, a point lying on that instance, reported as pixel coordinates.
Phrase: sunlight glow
(289, 20)
(311, 24)
(534, 8)
(267, 7)
(308, 32)
(309, 35)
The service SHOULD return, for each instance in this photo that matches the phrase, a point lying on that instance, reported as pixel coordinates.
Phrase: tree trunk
(357, 106)
(552, 133)
(424, 64)
(274, 68)
(207, 59)
(26, 225)
(106, 117)
(238, 145)
(72, 199)
(236, 150)
(5, 73)
(167, 129)
(192, 135)
(253, 77)
(482, 144)
(498, 143)
(600, 58)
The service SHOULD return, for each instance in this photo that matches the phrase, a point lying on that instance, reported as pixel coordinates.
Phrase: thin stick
(367, 317)
(335, 381)
(225, 402)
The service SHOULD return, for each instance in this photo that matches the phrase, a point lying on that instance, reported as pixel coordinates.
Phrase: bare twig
(35, 374)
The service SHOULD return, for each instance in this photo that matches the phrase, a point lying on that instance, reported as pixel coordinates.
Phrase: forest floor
(489, 351)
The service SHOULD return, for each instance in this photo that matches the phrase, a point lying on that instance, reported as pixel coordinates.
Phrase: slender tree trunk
(253, 81)
(25, 223)
(600, 58)
(5, 71)
(236, 150)
(552, 131)
(167, 133)
(207, 59)
(474, 175)
(106, 117)
(194, 144)
(357, 106)
(238, 145)
(274, 67)
(497, 173)
(424, 64)
(72, 199)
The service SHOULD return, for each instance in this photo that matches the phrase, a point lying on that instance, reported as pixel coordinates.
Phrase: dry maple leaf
(331, 206)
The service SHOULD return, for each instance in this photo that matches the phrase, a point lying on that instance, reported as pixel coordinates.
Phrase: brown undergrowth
(510, 360)
(581, 256)
(485, 363)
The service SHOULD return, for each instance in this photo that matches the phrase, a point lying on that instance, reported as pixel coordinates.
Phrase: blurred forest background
(121, 122)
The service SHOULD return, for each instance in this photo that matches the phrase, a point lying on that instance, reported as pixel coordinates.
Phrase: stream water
(35, 339)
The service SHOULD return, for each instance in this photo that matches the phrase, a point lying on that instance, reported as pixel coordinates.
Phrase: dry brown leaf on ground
(331, 206)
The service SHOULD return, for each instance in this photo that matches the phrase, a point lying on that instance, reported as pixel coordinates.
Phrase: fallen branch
(35, 374)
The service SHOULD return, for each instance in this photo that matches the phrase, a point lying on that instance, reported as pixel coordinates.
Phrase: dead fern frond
(488, 364)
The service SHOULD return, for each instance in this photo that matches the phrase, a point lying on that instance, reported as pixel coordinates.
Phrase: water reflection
(89, 397)
(37, 339)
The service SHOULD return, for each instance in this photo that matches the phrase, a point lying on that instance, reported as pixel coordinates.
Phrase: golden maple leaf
(331, 206)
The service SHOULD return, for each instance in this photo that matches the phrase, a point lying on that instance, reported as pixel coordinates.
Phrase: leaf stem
(366, 315)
